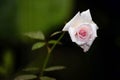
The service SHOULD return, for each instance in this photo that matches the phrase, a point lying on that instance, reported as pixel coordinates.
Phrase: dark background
(101, 62)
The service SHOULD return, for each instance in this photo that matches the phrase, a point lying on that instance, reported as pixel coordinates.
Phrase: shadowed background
(101, 62)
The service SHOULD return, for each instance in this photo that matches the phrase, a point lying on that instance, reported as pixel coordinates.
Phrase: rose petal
(73, 21)
(72, 34)
(85, 47)
(94, 28)
(86, 16)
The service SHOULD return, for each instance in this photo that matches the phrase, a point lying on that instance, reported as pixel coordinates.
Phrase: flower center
(82, 33)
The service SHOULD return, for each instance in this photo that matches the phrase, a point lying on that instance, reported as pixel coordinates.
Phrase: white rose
(82, 29)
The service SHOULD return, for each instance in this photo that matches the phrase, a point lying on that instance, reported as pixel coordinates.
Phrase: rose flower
(82, 29)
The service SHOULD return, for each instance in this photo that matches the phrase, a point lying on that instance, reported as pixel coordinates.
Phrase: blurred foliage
(20, 16)
(38, 45)
(35, 35)
(7, 63)
(46, 78)
(7, 18)
(27, 16)
(54, 41)
(44, 15)
(25, 77)
(54, 68)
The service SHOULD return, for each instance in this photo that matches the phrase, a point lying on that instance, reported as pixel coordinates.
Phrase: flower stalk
(49, 52)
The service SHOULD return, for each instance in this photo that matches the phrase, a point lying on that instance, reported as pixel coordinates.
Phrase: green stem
(49, 52)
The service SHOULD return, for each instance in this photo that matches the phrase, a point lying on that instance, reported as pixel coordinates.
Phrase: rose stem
(49, 52)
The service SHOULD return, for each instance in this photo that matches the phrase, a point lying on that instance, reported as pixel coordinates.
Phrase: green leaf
(47, 78)
(35, 35)
(53, 68)
(25, 77)
(54, 42)
(31, 69)
(55, 33)
(38, 45)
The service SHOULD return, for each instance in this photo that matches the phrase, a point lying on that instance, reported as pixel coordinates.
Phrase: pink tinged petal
(86, 16)
(74, 21)
(72, 33)
(82, 33)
